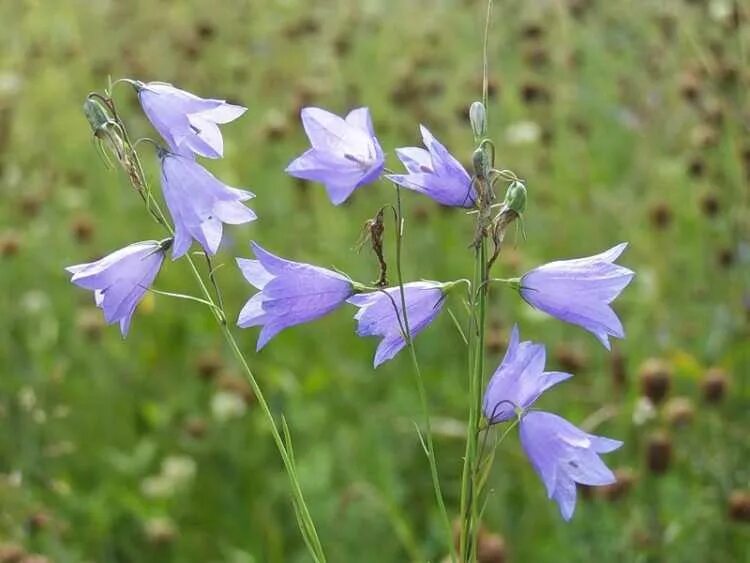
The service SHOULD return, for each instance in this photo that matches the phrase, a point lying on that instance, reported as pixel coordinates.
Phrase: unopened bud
(96, 114)
(515, 197)
(478, 119)
(481, 162)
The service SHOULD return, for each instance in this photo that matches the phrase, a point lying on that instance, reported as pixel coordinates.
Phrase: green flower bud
(481, 161)
(515, 197)
(96, 114)
(478, 119)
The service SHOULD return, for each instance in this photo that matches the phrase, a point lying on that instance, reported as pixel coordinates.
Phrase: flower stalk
(137, 177)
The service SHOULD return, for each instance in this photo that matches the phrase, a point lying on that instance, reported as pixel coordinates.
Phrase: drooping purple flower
(345, 153)
(377, 314)
(435, 172)
(188, 123)
(290, 293)
(119, 280)
(563, 455)
(199, 203)
(579, 291)
(519, 380)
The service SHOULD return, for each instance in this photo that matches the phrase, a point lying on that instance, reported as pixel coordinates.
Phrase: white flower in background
(523, 133)
(226, 405)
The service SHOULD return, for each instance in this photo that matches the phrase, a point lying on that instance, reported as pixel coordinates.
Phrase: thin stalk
(307, 526)
(469, 478)
(428, 443)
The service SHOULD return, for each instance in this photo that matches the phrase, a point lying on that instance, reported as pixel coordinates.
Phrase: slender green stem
(428, 442)
(307, 526)
(469, 479)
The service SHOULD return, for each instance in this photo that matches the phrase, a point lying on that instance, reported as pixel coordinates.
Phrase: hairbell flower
(119, 280)
(377, 315)
(345, 153)
(519, 380)
(290, 293)
(199, 203)
(187, 123)
(435, 173)
(563, 455)
(579, 291)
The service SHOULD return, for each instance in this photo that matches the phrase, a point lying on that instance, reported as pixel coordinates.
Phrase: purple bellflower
(377, 314)
(119, 280)
(519, 380)
(187, 123)
(563, 455)
(345, 153)
(199, 203)
(435, 173)
(290, 293)
(580, 291)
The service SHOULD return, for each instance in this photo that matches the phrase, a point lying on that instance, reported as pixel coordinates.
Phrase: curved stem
(306, 524)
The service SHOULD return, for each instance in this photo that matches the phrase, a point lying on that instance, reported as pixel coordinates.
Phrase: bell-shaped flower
(189, 124)
(291, 293)
(518, 381)
(435, 173)
(381, 314)
(563, 455)
(119, 280)
(199, 203)
(580, 291)
(345, 153)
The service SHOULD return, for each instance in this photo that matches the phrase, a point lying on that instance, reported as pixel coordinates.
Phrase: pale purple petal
(580, 291)
(345, 154)
(199, 204)
(518, 381)
(564, 455)
(187, 122)
(120, 279)
(381, 314)
(291, 293)
(435, 173)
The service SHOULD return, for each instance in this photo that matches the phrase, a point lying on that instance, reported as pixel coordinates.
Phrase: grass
(636, 129)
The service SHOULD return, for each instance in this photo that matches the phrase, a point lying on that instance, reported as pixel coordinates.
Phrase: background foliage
(629, 121)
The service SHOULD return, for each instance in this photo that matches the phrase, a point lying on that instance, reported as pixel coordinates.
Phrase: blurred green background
(630, 122)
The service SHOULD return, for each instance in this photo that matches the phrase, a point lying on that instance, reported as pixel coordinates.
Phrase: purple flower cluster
(345, 155)
(198, 203)
(561, 454)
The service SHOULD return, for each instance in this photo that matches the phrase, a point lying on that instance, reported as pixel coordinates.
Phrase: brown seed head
(618, 369)
(710, 204)
(195, 427)
(655, 377)
(90, 322)
(658, 453)
(714, 385)
(11, 553)
(31, 203)
(739, 505)
(661, 215)
(572, 359)
(236, 384)
(491, 548)
(10, 244)
(82, 228)
(679, 411)
(209, 364)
